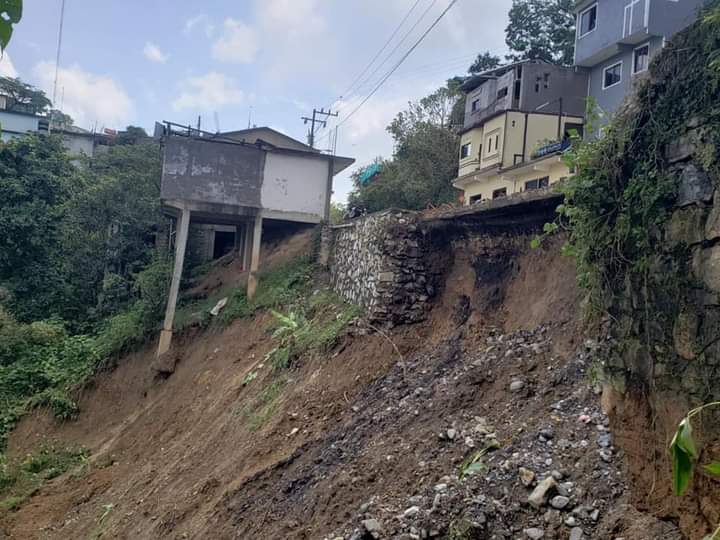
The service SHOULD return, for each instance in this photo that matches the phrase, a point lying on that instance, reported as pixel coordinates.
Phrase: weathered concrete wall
(378, 262)
(295, 184)
(212, 172)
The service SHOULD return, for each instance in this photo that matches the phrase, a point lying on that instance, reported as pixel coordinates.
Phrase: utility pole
(314, 120)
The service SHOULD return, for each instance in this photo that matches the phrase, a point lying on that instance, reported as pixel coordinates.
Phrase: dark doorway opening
(224, 243)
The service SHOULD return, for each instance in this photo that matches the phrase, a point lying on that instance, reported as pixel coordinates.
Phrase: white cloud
(153, 53)
(238, 44)
(88, 97)
(7, 69)
(210, 91)
(200, 21)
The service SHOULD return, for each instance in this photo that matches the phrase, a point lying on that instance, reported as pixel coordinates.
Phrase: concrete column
(246, 246)
(238, 239)
(181, 237)
(255, 257)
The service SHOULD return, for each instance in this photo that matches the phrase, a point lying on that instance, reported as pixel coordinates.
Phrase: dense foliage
(425, 158)
(80, 278)
(621, 197)
(23, 97)
(542, 29)
(73, 236)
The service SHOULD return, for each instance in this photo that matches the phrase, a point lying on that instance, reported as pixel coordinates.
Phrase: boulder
(695, 186)
(539, 495)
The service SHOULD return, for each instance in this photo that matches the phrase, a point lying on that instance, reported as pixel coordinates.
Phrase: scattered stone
(559, 502)
(451, 433)
(372, 527)
(526, 476)
(534, 533)
(539, 495)
(516, 385)
(412, 511)
(576, 533)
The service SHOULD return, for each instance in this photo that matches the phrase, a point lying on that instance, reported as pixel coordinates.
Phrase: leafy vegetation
(10, 14)
(425, 159)
(618, 202)
(21, 479)
(542, 29)
(684, 453)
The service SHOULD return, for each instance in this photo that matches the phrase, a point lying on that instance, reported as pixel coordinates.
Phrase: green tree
(110, 227)
(60, 119)
(541, 29)
(420, 173)
(484, 62)
(37, 182)
(22, 96)
(132, 135)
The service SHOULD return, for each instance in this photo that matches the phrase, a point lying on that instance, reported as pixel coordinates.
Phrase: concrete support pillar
(238, 239)
(181, 237)
(255, 257)
(246, 246)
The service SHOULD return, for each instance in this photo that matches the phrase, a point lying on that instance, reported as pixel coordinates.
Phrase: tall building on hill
(616, 39)
(518, 119)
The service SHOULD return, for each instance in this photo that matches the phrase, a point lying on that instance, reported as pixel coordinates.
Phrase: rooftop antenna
(249, 116)
(217, 122)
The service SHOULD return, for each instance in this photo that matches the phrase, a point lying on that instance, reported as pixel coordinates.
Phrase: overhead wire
(396, 66)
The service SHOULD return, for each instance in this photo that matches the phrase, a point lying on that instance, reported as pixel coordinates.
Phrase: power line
(392, 36)
(377, 55)
(59, 46)
(399, 43)
(399, 63)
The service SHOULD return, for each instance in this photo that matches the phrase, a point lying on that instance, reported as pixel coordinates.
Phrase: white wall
(295, 184)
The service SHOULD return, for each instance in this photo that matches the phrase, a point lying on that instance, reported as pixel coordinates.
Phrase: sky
(268, 61)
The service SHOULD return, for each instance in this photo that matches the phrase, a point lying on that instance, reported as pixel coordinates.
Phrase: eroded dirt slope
(439, 430)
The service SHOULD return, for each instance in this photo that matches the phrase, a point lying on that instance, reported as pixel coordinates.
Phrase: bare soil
(363, 432)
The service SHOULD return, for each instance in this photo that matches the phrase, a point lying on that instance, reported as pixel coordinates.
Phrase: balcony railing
(550, 148)
(479, 115)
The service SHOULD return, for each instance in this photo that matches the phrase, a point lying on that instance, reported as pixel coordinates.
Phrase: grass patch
(21, 479)
(264, 406)
(314, 325)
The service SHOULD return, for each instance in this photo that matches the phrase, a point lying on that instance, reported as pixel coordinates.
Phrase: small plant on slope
(683, 451)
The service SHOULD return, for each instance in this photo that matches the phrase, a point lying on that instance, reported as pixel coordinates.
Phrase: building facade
(518, 121)
(616, 39)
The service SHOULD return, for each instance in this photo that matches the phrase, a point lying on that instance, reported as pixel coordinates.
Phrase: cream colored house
(518, 119)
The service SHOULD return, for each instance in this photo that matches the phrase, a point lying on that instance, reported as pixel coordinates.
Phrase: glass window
(475, 105)
(641, 58)
(537, 183)
(500, 193)
(612, 75)
(502, 93)
(465, 150)
(588, 21)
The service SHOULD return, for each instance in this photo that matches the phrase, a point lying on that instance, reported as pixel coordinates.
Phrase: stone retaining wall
(378, 262)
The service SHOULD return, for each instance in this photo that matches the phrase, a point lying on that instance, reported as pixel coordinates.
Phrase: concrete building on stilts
(239, 181)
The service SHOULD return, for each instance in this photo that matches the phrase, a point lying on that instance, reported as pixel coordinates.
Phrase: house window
(500, 193)
(537, 183)
(475, 105)
(546, 80)
(465, 150)
(641, 58)
(612, 75)
(502, 93)
(475, 199)
(587, 21)
(497, 138)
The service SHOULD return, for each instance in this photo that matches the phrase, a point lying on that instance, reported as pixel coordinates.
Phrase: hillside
(441, 429)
